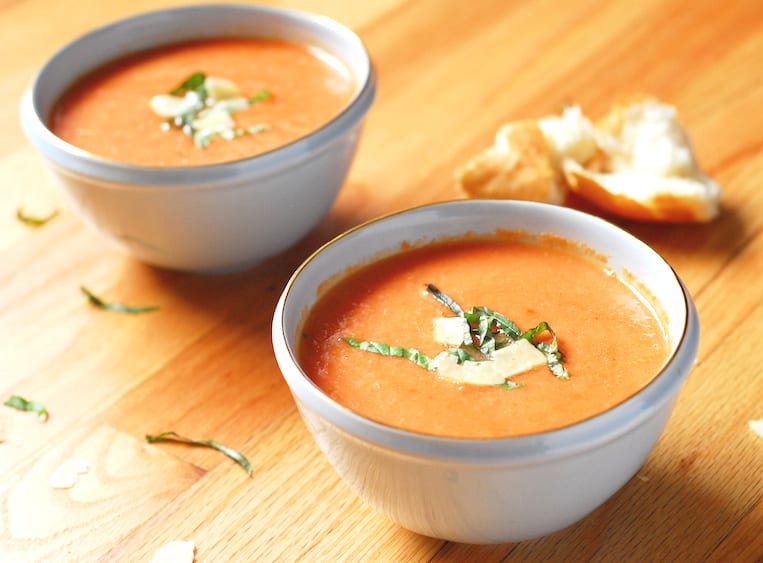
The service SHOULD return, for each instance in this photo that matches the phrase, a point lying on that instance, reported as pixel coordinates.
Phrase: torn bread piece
(647, 170)
(636, 162)
(570, 135)
(519, 165)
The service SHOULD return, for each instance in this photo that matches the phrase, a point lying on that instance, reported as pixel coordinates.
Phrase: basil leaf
(261, 96)
(554, 356)
(235, 455)
(34, 221)
(386, 350)
(508, 384)
(98, 302)
(503, 323)
(533, 332)
(487, 332)
(490, 331)
(467, 353)
(445, 300)
(22, 404)
(195, 82)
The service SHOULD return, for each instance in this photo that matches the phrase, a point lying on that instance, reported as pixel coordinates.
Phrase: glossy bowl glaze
(212, 218)
(493, 490)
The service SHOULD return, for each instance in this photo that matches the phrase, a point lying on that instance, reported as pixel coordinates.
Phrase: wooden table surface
(450, 72)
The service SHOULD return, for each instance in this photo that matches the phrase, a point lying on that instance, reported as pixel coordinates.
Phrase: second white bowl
(213, 218)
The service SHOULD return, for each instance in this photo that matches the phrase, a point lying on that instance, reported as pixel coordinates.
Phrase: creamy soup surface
(107, 112)
(612, 341)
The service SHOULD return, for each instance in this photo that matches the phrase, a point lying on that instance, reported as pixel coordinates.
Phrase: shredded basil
(235, 455)
(98, 302)
(490, 331)
(386, 350)
(554, 356)
(22, 404)
(445, 300)
(194, 83)
(260, 96)
(34, 221)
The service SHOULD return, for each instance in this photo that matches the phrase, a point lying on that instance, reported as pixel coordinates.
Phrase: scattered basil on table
(35, 220)
(98, 302)
(235, 455)
(22, 404)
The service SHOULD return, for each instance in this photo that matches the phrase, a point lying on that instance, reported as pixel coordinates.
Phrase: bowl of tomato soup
(485, 371)
(203, 138)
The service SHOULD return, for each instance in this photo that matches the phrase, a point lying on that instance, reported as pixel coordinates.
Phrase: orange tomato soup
(107, 112)
(613, 343)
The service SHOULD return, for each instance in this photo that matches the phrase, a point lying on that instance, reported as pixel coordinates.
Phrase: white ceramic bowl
(214, 218)
(493, 490)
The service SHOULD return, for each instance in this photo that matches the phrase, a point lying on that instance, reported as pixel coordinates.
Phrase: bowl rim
(582, 435)
(75, 159)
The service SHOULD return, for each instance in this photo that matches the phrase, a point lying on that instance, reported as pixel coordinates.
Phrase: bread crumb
(757, 426)
(177, 551)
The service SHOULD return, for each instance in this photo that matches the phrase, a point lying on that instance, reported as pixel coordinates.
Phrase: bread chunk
(519, 165)
(636, 162)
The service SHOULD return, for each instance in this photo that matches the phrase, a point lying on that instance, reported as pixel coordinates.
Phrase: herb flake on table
(235, 455)
(98, 302)
(35, 220)
(22, 404)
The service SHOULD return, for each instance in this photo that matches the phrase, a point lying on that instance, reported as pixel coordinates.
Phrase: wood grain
(450, 73)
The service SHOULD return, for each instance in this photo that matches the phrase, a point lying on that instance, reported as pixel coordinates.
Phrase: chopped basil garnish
(445, 300)
(201, 107)
(194, 83)
(386, 350)
(487, 331)
(235, 455)
(554, 356)
(98, 302)
(34, 221)
(260, 96)
(22, 404)
(490, 331)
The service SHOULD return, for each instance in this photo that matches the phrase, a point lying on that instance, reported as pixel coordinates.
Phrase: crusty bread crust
(519, 165)
(635, 162)
(665, 207)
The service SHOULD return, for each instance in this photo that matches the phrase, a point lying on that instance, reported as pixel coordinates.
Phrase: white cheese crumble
(177, 551)
(505, 363)
(66, 476)
(450, 330)
(167, 105)
(220, 89)
(208, 118)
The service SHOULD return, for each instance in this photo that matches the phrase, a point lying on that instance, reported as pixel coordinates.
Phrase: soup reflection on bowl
(203, 138)
(485, 371)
